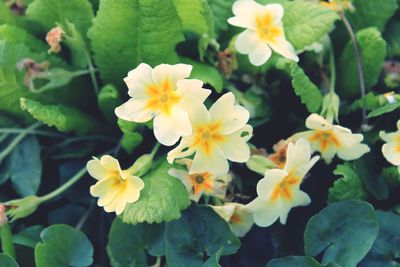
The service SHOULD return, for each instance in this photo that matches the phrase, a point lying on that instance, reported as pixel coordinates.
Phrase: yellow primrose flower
(338, 5)
(331, 139)
(279, 191)
(264, 31)
(115, 187)
(238, 216)
(391, 150)
(159, 93)
(202, 183)
(219, 134)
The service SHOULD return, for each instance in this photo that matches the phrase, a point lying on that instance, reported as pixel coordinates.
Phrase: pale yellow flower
(264, 31)
(219, 135)
(391, 150)
(115, 187)
(238, 216)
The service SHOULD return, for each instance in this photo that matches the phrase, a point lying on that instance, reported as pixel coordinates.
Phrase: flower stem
(332, 67)
(7, 244)
(36, 132)
(154, 150)
(92, 73)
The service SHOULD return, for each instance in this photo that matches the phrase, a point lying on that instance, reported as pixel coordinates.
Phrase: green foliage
(26, 167)
(15, 35)
(6, 261)
(384, 109)
(221, 10)
(259, 164)
(65, 119)
(343, 231)
(308, 92)
(386, 248)
(28, 237)
(373, 51)
(127, 243)
(200, 233)
(392, 37)
(161, 200)
(391, 176)
(63, 246)
(297, 261)
(126, 33)
(131, 137)
(108, 99)
(348, 187)
(50, 12)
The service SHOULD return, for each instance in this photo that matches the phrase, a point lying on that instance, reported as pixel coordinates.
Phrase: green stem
(154, 150)
(18, 139)
(7, 244)
(36, 132)
(3, 137)
(65, 186)
(92, 73)
(332, 67)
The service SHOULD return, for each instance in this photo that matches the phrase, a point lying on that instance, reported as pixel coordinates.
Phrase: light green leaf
(6, 16)
(205, 73)
(195, 16)
(200, 232)
(26, 167)
(348, 187)
(127, 243)
(132, 137)
(308, 92)
(260, 164)
(297, 261)
(108, 99)
(6, 261)
(126, 33)
(63, 246)
(373, 53)
(50, 12)
(343, 231)
(16, 35)
(222, 11)
(65, 119)
(384, 109)
(386, 249)
(161, 200)
(28, 237)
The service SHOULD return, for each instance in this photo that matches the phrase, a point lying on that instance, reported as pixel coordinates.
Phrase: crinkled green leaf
(161, 200)
(65, 119)
(205, 73)
(16, 35)
(63, 246)
(368, 102)
(28, 237)
(297, 261)
(126, 33)
(344, 232)
(26, 167)
(127, 243)
(199, 233)
(384, 109)
(371, 13)
(373, 52)
(308, 92)
(6, 261)
(108, 99)
(6, 16)
(195, 16)
(349, 186)
(50, 12)
(392, 37)
(386, 249)
(222, 11)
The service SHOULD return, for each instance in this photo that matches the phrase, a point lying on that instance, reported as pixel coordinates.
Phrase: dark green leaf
(384, 109)
(221, 10)
(108, 99)
(297, 261)
(392, 37)
(28, 237)
(6, 261)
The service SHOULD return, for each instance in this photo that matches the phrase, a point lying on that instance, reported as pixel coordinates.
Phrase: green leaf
(260, 164)
(26, 167)
(127, 243)
(386, 249)
(222, 11)
(384, 109)
(161, 200)
(205, 73)
(391, 176)
(28, 237)
(6, 261)
(297, 261)
(50, 12)
(16, 35)
(5, 170)
(371, 13)
(63, 246)
(65, 119)
(126, 33)
(195, 16)
(343, 231)
(348, 187)
(308, 92)
(198, 233)
(130, 141)
(306, 23)
(108, 99)
(6, 16)
(392, 37)
(372, 51)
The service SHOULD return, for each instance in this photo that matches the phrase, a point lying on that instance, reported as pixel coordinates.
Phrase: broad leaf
(17, 35)
(297, 261)
(161, 200)
(343, 231)
(63, 246)
(384, 109)
(108, 99)
(221, 10)
(199, 233)
(6, 261)
(28, 237)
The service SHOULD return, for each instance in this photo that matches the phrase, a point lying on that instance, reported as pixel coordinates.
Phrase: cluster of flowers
(175, 103)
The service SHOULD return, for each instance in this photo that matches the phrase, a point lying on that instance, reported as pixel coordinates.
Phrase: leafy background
(354, 209)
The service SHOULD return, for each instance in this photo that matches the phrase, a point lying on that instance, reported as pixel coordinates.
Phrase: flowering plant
(199, 133)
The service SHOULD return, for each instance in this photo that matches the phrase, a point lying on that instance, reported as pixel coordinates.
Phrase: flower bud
(23, 207)
(330, 107)
(141, 166)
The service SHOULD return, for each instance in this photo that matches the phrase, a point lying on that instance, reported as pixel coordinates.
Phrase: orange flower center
(325, 139)
(284, 189)
(201, 182)
(162, 97)
(266, 29)
(206, 136)
(235, 219)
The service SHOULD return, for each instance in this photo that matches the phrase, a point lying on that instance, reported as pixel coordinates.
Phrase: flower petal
(95, 169)
(265, 213)
(232, 116)
(197, 112)
(246, 42)
(133, 187)
(276, 10)
(391, 152)
(235, 147)
(284, 48)
(389, 137)
(141, 75)
(350, 145)
(110, 163)
(182, 150)
(244, 21)
(183, 176)
(246, 7)
(260, 54)
(267, 184)
(215, 162)
(192, 88)
(317, 122)
(172, 72)
(105, 190)
(134, 110)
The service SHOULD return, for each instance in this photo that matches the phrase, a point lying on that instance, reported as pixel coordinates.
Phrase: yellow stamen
(162, 97)
(206, 136)
(284, 188)
(201, 182)
(325, 138)
(266, 29)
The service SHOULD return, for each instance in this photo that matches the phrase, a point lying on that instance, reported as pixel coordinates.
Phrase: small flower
(279, 157)
(206, 183)
(331, 139)
(53, 38)
(279, 191)
(391, 150)
(115, 187)
(3, 216)
(159, 93)
(238, 216)
(219, 134)
(338, 5)
(264, 31)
